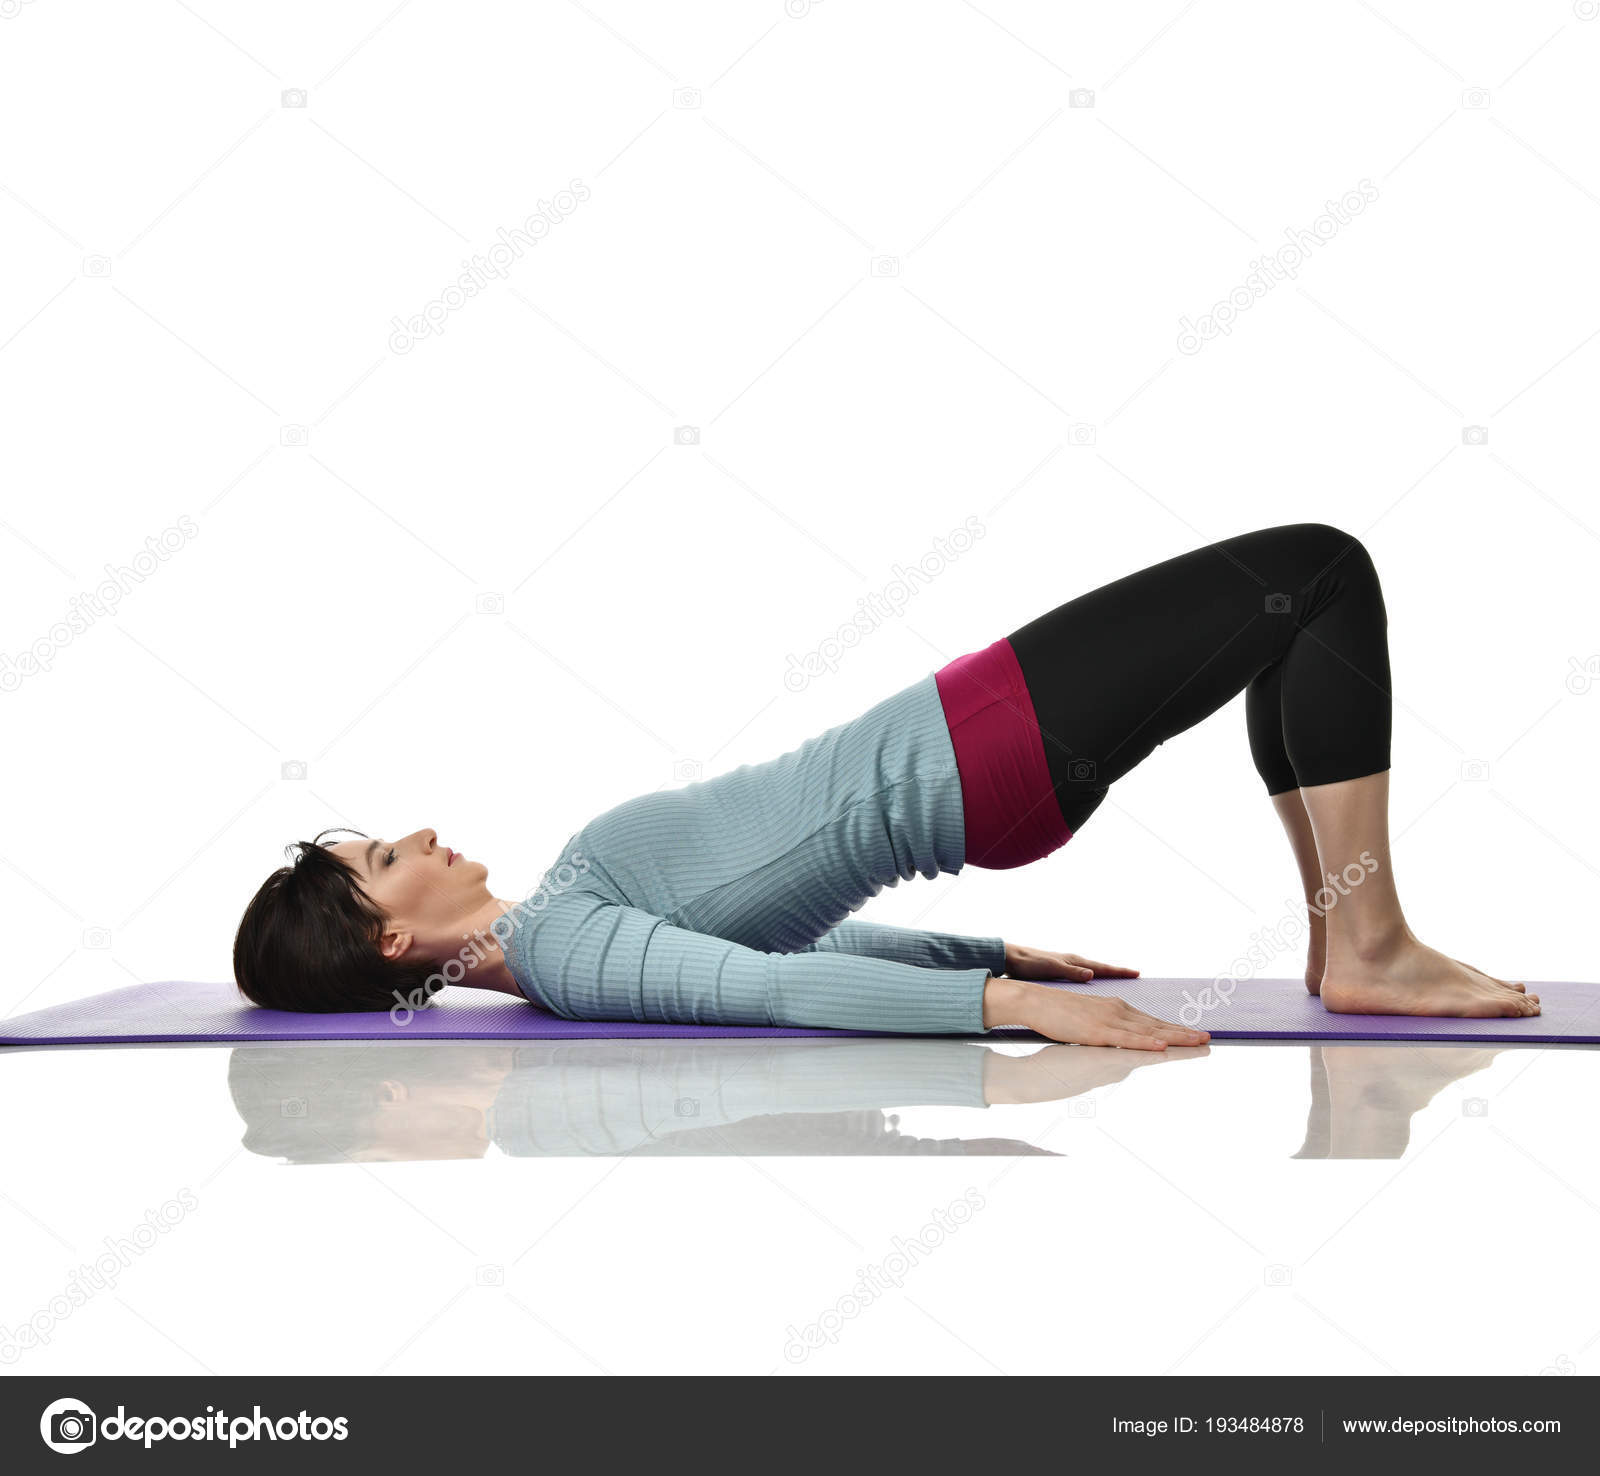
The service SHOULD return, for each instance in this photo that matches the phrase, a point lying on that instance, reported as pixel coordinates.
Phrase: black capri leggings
(1291, 616)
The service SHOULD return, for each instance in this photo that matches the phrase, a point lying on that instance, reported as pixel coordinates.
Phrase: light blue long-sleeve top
(725, 902)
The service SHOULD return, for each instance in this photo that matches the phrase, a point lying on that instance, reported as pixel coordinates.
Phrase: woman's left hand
(1023, 962)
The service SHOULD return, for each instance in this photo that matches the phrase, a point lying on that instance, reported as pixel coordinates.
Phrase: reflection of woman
(725, 902)
(326, 1104)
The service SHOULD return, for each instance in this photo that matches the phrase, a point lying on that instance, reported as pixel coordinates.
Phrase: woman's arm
(912, 946)
(601, 960)
(590, 958)
(958, 951)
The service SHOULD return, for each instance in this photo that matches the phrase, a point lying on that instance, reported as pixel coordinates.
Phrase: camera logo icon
(1474, 435)
(1080, 97)
(490, 603)
(1278, 1276)
(1474, 771)
(68, 1426)
(97, 937)
(686, 435)
(1475, 1107)
(1475, 97)
(687, 770)
(886, 266)
(97, 266)
(294, 435)
(293, 97)
(1278, 604)
(686, 97)
(1081, 771)
(1081, 435)
(686, 1107)
(292, 769)
(1581, 675)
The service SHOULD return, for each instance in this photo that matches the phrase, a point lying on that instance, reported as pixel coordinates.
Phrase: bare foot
(1503, 983)
(1316, 952)
(1413, 979)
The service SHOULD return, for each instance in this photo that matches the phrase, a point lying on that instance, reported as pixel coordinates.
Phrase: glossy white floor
(801, 1207)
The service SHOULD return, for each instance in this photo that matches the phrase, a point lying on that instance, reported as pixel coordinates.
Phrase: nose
(427, 840)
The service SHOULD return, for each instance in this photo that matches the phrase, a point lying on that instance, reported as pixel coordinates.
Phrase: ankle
(1368, 945)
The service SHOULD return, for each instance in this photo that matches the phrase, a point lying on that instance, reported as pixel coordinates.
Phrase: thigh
(1121, 669)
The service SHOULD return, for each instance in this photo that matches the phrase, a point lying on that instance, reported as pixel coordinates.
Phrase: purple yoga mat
(1261, 1009)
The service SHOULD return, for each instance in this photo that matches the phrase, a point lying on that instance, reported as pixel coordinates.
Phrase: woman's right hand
(1081, 1019)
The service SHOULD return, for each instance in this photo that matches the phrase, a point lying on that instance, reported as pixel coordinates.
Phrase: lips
(450, 860)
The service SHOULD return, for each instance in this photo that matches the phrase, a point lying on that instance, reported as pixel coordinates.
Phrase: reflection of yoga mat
(1261, 1009)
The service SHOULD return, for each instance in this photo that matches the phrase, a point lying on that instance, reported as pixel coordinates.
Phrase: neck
(491, 971)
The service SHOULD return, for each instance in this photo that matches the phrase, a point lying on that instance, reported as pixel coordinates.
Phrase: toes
(1503, 983)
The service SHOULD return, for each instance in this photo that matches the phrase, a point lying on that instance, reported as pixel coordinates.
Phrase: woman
(725, 902)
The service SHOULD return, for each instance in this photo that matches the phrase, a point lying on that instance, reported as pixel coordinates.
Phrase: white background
(491, 593)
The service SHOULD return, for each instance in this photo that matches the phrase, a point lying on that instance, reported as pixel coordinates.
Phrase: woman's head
(357, 925)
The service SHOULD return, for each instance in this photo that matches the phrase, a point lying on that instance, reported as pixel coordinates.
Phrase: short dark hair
(309, 941)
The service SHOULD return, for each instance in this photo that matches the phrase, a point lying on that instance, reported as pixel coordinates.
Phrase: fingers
(1149, 1025)
(1102, 970)
(1090, 1020)
(1156, 1023)
(1039, 965)
(1129, 1041)
(1182, 1035)
(1140, 1023)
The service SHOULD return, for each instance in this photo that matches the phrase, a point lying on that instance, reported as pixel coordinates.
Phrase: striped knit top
(728, 902)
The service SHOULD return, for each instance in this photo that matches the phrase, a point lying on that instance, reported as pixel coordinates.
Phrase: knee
(1334, 548)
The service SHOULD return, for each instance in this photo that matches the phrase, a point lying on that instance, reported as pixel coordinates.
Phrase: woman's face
(426, 890)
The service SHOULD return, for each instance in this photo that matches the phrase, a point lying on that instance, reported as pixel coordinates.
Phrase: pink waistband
(1012, 816)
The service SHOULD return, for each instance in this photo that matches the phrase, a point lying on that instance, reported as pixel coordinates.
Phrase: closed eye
(388, 858)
